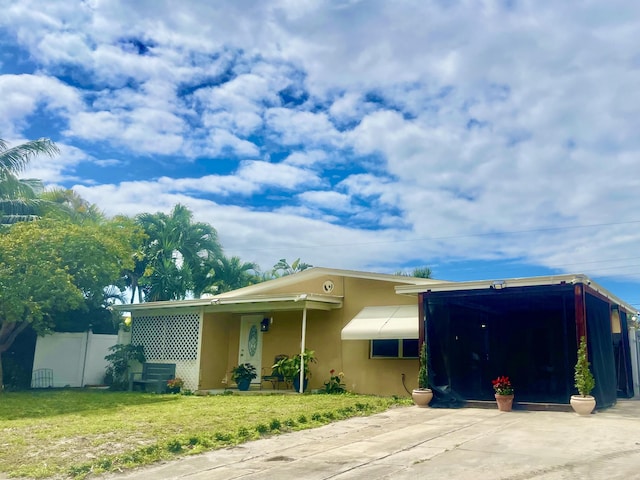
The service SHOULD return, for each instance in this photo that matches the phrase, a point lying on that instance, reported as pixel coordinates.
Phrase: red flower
(502, 386)
(332, 371)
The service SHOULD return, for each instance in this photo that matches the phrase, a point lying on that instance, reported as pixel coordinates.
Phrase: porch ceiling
(272, 306)
(245, 304)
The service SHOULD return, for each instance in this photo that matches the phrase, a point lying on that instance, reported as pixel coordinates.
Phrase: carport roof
(498, 284)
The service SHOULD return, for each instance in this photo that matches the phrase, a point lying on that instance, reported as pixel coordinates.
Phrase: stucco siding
(215, 350)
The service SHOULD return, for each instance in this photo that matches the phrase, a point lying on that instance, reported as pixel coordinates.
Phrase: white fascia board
(571, 279)
(485, 284)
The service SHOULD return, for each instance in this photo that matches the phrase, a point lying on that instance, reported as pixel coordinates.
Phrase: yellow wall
(313, 285)
(216, 333)
(362, 375)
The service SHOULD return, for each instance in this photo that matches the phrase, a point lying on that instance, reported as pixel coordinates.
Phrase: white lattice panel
(171, 339)
(188, 370)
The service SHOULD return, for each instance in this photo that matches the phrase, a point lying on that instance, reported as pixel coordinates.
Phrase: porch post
(581, 321)
(421, 333)
(302, 348)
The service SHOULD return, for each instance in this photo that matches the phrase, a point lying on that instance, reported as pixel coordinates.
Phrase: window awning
(388, 322)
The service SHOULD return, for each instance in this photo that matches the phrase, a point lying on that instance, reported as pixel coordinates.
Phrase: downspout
(302, 347)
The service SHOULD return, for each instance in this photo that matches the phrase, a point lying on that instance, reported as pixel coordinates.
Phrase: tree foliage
(418, 272)
(178, 256)
(283, 268)
(232, 273)
(19, 198)
(67, 204)
(51, 266)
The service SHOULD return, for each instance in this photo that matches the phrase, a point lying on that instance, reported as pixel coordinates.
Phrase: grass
(71, 433)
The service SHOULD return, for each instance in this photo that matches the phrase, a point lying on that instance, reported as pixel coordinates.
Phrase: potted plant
(243, 374)
(289, 368)
(422, 395)
(305, 360)
(584, 403)
(504, 393)
(285, 368)
(174, 385)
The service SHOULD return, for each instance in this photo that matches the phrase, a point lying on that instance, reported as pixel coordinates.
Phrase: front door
(250, 350)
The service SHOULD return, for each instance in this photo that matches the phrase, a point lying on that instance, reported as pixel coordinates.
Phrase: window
(405, 348)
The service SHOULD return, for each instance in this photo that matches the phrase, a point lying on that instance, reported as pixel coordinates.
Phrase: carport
(527, 329)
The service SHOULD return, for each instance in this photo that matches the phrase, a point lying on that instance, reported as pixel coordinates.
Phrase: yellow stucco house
(354, 321)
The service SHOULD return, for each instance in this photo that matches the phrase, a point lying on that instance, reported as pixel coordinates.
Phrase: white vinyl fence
(71, 359)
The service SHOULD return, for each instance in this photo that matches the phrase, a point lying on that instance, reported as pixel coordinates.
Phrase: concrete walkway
(413, 443)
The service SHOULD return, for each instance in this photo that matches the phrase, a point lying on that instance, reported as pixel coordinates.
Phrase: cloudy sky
(485, 139)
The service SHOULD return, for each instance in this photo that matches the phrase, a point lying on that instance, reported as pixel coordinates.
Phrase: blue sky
(485, 139)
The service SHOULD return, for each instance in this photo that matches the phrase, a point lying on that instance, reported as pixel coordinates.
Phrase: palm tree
(19, 197)
(133, 277)
(70, 205)
(232, 273)
(179, 253)
(283, 268)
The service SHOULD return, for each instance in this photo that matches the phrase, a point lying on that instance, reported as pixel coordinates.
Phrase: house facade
(369, 327)
(355, 322)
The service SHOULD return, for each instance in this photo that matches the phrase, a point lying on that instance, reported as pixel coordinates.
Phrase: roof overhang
(568, 279)
(386, 322)
(245, 304)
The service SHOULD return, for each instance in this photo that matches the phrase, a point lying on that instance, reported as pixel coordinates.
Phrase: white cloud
(307, 158)
(406, 130)
(293, 127)
(332, 201)
(57, 169)
(23, 94)
(277, 175)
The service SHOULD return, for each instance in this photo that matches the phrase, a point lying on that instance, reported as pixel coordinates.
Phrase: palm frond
(15, 159)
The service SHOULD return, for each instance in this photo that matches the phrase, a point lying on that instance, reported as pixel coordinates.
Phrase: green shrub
(584, 380)
(262, 428)
(275, 424)
(174, 446)
(121, 355)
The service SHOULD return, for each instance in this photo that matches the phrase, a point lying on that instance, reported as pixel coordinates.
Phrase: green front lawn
(76, 432)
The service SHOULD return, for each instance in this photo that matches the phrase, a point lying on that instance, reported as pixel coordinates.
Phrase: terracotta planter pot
(505, 402)
(422, 397)
(583, 405)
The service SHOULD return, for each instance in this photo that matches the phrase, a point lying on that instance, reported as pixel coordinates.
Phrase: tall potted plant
(303, 362)
(584, 403)
(289, 368)
(422, 395)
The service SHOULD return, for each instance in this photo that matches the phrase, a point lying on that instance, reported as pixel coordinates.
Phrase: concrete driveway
(413, 443)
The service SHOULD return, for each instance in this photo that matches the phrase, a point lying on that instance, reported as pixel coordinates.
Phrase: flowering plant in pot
(422, 395)
(174, 385)
(584, 403)
(243, 374)
(504, 393)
